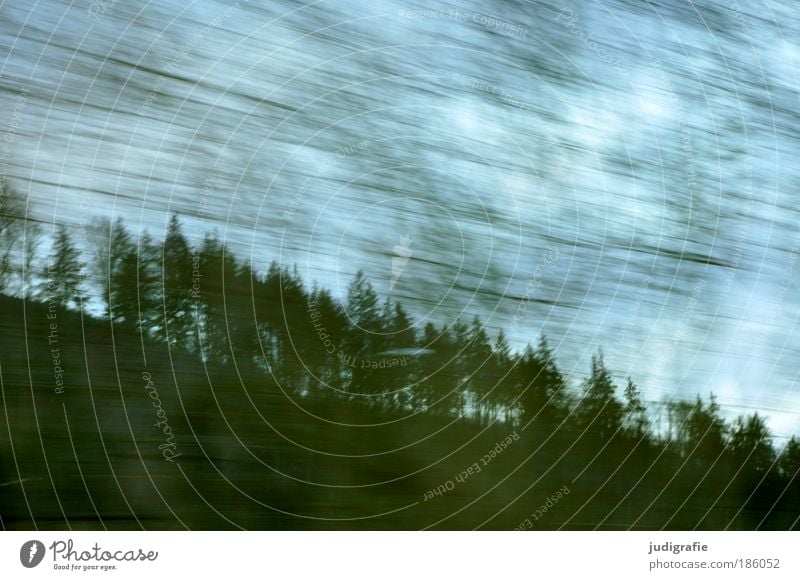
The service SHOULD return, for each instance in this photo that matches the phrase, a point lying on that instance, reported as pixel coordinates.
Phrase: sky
(615, 175)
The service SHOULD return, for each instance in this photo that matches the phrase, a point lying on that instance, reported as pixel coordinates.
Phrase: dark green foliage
(697, 429)
(751, 445)
(176, 274)
(635, 419)
(14, 229)
(599, 411)
(63, 274)
(121, 287)
(542, 390)
(218, 291)
(365, 339)
(789, 461)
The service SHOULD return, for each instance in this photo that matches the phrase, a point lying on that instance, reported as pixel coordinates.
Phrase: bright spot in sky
(635, 208)
(652, 108)
(791, 52)
(519, 186)
(467, 118)
(782, 422)
(728, 390)
(652, 94)
(589, 133)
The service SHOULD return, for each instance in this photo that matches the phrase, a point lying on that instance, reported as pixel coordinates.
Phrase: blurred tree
(751, 446)
(219, 271)
(461, 365)
(325, 361)
(110, 245)
(176, 274)
(503, 378)
(542, 388)
(123, 297)
(502, 350)
(364, 339)
(479, 372)
(399, 327)
(241, 319)
(12, 229)
(698, 430)
(64, 272)
(267, 301)
(149, 285)
(363, 310)
(32, 238)
(599, 410)
(789, 461)
(635, 419)
(439, 375)
(283, 326)
(396, 362)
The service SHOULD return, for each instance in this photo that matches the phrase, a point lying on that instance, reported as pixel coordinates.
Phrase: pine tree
(750, 444)
(267, 304)
(635, 413)
(278, 325)
(149, 284)
(439, 374)
(32, 237)
(789, 461)
(241, 320)
(209, 303)
(599, 410)
(697, 429)
(362, 307)
(176, 273)
(324, 359)
(399, 339)
(123, 301)
(542, 387)
(110, 246)
(120, 285)
(398, 330)
(12, 224)
(64, 272)
(501, 381)
(462, 366)
(502, 350)
(364, 339)
(480, 373)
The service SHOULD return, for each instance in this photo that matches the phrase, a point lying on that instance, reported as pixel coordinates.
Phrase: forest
(150, 384)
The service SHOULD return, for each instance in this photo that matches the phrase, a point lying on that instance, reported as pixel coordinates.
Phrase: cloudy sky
(618, 175)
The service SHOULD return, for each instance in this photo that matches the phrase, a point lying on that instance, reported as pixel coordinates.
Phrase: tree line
(364, 351)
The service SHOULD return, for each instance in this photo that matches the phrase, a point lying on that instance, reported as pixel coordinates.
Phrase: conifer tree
(176, 274)
(64, 272)
(599, 410)
(751, 445)
(635, 413)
